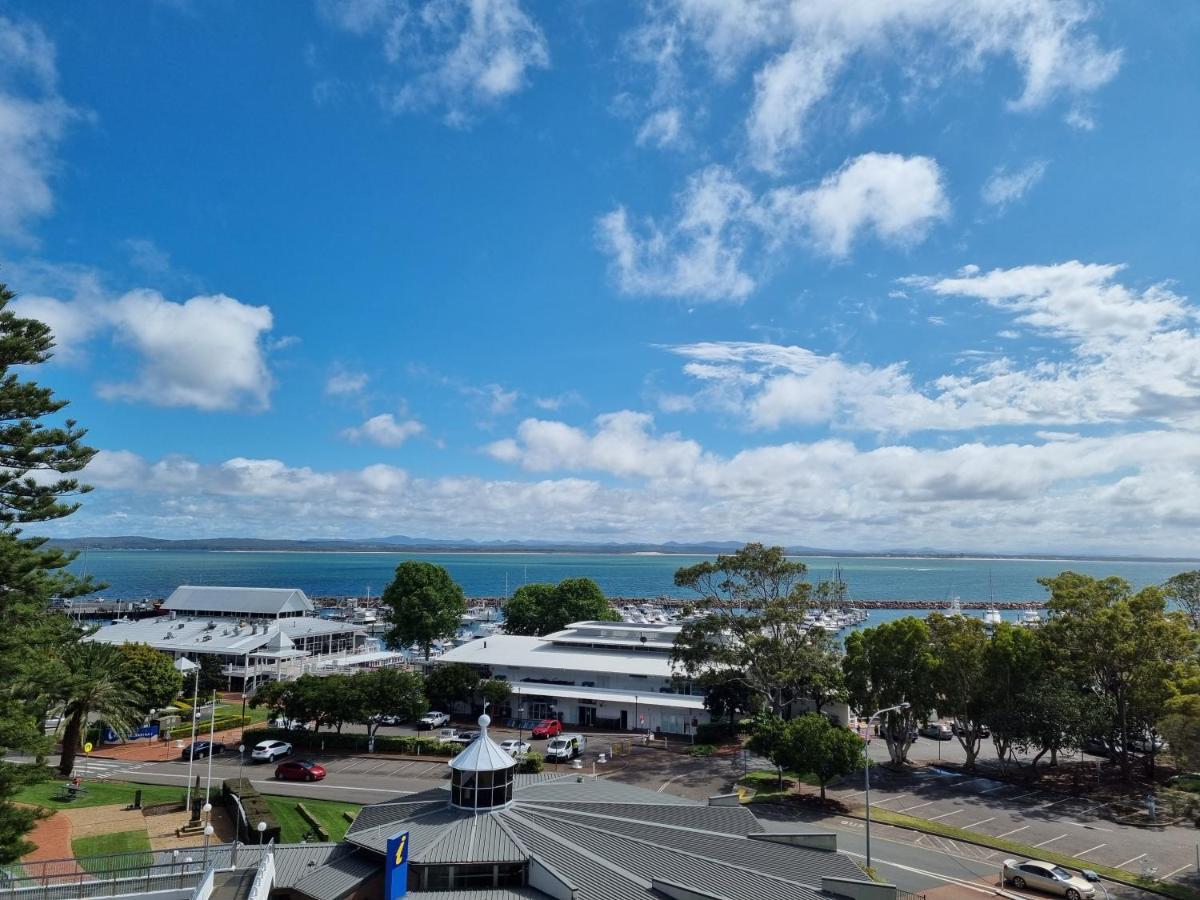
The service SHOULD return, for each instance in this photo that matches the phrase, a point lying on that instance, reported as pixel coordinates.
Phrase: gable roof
(233, 600)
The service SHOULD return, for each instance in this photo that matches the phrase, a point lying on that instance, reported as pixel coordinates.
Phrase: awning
(572, 692)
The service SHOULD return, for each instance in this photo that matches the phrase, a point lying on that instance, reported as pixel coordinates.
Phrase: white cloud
(33, 117)
(1005, 187)
(385, 430)
(701, 253)
(662, 129)
(343, 382)
(1127, 356)
(459, 55)
(208, 352)
(144, 254)
(799, 51)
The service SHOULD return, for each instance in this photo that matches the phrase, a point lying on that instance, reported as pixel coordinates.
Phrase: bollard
(137, 799)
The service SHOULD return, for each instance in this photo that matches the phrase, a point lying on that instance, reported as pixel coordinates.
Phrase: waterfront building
(256, 634)
(609, 675)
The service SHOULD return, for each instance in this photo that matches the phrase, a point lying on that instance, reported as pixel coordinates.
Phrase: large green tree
(387, 692)
(449, 684)
(40, 454)
(94, 689)
(538, 609)
(748, 622)
(425, 605)
(813, 744)
(886, 666)
(958, 644)
(150, 674)
(1184, 589)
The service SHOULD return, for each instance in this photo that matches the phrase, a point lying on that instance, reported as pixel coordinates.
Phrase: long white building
(615, 675)
(257, 634)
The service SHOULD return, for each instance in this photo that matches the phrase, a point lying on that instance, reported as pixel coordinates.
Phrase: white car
(515, 748)
(1044, 876)
(269, 751)
(434, 719)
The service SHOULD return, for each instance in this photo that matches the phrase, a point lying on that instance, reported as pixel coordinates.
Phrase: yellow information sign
(87, 748)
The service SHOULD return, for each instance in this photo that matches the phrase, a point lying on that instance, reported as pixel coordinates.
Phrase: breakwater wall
(676, 602)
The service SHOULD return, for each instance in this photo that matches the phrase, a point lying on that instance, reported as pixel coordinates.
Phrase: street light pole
(183, 664)
(867, 771)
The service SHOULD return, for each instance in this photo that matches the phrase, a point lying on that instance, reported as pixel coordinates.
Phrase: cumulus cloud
(1128, 355)
(702, 252)
(33, 118)
(208, 352)
(385, 430)
(799, 52)
(662, 129)
(458, 55)
(1004, 187)
(342, 383)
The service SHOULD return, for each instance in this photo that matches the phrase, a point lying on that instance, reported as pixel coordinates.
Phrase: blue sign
(395, 876)
(146, 731)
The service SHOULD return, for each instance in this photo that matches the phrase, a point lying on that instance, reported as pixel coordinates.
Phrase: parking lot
(1067, 825)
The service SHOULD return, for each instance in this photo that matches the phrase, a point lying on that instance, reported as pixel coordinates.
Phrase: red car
(299, 770)
(547, 728)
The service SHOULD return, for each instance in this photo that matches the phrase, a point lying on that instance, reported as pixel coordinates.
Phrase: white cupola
(481, 776)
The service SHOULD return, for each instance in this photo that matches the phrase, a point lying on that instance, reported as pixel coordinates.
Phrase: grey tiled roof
(605, 790)
(473, 839)
(337, 876)
(724, 819)
(487, 894)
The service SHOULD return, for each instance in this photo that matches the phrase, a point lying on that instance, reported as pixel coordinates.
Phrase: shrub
(222, 723)
(531, 763)
(702, 750)
(334, 741)
(716, 733)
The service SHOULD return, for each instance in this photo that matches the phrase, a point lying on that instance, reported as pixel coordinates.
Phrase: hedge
(331, 740)
(222, 723)
(716, 733)
(256, 809)
(531, 763)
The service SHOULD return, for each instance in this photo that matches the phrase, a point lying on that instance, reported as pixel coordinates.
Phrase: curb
(858, 814)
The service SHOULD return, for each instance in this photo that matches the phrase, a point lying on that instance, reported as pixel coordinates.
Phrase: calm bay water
(139, 574)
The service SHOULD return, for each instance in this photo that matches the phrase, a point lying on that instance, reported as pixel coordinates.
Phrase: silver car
(1044, 876)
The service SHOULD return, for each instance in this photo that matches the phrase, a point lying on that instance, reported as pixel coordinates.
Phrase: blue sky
(838, 274)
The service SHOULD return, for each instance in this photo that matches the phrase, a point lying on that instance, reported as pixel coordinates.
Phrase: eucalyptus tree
(960, 679)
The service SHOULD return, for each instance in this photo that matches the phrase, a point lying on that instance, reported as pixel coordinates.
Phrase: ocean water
(141, 574)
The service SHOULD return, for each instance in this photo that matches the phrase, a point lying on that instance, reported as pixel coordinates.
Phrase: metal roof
(204, 635)
(335, 877)
(249, 600)
(519, 651)
(482, 754)
(571, 692)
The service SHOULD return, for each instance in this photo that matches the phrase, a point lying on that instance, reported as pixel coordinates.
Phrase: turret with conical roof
(481, 776)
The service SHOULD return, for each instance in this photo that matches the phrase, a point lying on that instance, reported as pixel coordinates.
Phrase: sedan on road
(547, 728)
(269, 751)
(1044, 876)
(299, 770)
(515, 748)
(201, 749)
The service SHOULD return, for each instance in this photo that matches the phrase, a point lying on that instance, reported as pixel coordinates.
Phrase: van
(566, 746)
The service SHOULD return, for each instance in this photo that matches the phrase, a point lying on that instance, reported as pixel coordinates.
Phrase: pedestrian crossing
(106, 768)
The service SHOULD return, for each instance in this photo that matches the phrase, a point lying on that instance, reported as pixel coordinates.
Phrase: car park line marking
(1014, 831)
(998, 787)
(1023, 796)
(1086, 852)
(1055, 802)
(1177, 871)
(980, 822)
(919, 805)
(1090, 808)
(662, 787)
(374, 768)
(969, 885)
(1128, 861)
(945, 815)
(1051, 841)
(889, 799)
(428, 769)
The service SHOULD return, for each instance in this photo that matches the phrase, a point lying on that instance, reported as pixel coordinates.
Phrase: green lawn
(99, 793)
(293, 826)
(118, 842)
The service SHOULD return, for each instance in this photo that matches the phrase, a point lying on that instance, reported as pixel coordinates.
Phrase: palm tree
(94, 685)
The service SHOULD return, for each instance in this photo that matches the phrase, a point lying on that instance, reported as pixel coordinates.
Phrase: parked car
(299, 770)
(1047, 877)
(515, 748)
(1097, 746)
(547, 728)
(269, 751)
(938, 731)
(1146, 743)
(201, 749)
(566, 746)
(433, 719)
(388, 720)
(465, 737)
(289, 724)
(960, 728)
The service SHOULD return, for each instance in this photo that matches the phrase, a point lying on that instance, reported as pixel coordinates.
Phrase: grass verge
(293, 826)
(1016, 849)
(90, 852)
(99, 793)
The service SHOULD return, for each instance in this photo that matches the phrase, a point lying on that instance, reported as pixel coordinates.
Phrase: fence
(905, 895)
(94, 876)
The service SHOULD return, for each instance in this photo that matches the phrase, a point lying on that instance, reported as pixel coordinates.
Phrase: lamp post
(261, 827)
(241, 753)
(208, 830)
(520, 724)
(212, 737)
(867, 770)
(185, 665)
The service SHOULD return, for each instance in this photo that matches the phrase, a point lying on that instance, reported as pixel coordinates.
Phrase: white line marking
(1055, 802)
(1177, 871)
(973, 886)
(1023, 796)
(1128, 861)
(944, 815)
(332, 787)
(1014, 831)
(1080, 812)
(998, 787)
(1085, 852)
(918, 806)
(980, 822)
(664, 785)
(889, 799)
(1051, 841)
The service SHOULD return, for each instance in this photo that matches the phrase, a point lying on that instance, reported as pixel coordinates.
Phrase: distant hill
(400, 543)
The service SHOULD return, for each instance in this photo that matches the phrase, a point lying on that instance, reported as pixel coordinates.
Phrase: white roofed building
(615, 675)
(239, 602)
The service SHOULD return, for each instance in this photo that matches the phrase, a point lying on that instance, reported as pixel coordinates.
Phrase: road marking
(271, 781)
(889, 799)
(1085, 852)
(944, 815)
(980, 822)
(374, 767)
(1051, 841)
(1128, 861)
(1014, 831)
(1177, 871)
(1023, 796)
(662, 787)
(1089, 809)
(969, 885)
(998, 787)
(429, 769)
(918, 806)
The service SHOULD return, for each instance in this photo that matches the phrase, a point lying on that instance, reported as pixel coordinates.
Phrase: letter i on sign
(395, 880)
